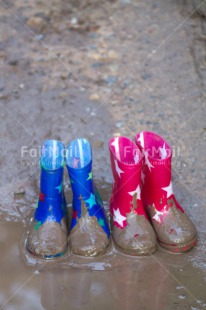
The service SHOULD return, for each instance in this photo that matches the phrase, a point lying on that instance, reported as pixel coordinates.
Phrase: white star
(118, 217)
(141, 139)
(168, 189)
(136, 191)
(119, 171)
(156, 217)
(178, 230)
(147, 162)
(163, 152)
(115, 143)
(136, 158)
(142, 176)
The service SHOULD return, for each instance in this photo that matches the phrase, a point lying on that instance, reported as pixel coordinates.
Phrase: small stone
(181, 296)
(97, 65)
(13, 62)
(36, 23)
(19, 191)
(94, 97)
(62, 95)
(2, 54)
(118, 124)
(110, 80)
(39, 37)
(104, 56)
(82, 89)
(112, 55)
(74, 21)
(3, 96)
(64, 76)
(179, 287)
(21, 86)
(114, 102)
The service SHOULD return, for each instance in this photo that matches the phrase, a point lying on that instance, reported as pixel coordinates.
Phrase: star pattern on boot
(115, 143)
(156, 217)
(136, 158)
(101, 222)
(91, 201)
(59, 188)
(168, 189)
(41, 196)
(136, 191)
(89, 176)
(118, 170)
(118, 217)
(163, 152)
(75, 214)
(147, 162)
(141, 139)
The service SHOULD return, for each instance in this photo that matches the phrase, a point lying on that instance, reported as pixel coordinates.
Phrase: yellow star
(90, 176)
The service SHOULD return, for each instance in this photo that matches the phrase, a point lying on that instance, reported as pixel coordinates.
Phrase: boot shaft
(126, 163)
(87, 202)
(52, 163)
(79, 166)
(157, 159)
(156, 173)
(51, 204)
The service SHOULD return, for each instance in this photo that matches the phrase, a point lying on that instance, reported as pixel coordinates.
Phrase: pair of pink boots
(143, 207)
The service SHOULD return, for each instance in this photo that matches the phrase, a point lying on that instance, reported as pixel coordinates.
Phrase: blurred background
(98, 69)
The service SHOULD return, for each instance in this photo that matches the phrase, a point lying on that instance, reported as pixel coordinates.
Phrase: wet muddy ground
(99, 69)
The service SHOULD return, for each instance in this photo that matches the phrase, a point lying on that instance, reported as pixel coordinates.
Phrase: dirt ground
(98, 69)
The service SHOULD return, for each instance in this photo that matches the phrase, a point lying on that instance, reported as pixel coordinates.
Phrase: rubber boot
(48, 232)
(90, 234)
(175, 231)
(132, 231)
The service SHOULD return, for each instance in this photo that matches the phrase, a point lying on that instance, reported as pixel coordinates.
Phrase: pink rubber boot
(132, 231)
(175, 231)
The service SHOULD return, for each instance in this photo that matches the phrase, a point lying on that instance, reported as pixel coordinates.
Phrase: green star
(71, 181)
(101, 222)
(91, 201)
(99, 199)
(59, 187)
(90, 176)
(38, 224)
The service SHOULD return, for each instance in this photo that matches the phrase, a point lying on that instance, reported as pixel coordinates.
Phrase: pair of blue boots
(87, 232)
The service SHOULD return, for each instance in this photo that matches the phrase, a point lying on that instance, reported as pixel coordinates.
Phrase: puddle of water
(117, 281)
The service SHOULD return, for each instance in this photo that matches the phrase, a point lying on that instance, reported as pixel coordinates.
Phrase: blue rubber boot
(90, 234)
(48, 233)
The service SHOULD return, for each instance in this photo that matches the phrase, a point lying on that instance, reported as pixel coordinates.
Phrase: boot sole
(104, 251)
(45, 256)
(178, 248)
(136, 252)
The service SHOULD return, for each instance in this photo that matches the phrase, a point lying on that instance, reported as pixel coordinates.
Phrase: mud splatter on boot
(48, 232)
(89, 231)
(132, 231)
(175, 231)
